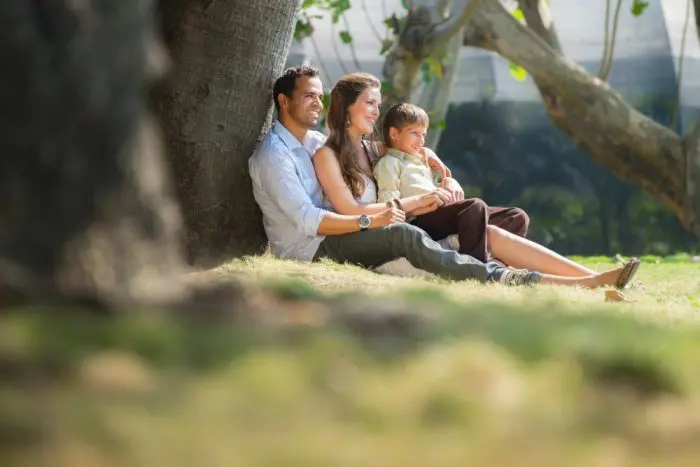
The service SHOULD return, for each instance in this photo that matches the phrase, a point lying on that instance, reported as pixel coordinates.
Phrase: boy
(403, 171)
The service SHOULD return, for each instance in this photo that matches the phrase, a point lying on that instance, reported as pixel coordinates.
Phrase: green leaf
(302, 30)
(519, 15)
(425, 71)
(386, 45)
(338, 7)
(517, 71)
(638, 7)
(308, 3)
(406, 4)
(393, 24)
(432, 66)
(438, 125)
(386, 87)
(345, 37)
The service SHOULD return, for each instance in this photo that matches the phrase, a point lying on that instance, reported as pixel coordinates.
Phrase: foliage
(509, 155)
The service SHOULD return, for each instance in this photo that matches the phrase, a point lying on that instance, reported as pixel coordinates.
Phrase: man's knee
(405, 233)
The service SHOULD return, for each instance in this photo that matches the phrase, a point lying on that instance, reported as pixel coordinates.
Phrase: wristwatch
(365, 222)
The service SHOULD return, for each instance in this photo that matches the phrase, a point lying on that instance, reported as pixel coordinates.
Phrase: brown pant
(468, 219)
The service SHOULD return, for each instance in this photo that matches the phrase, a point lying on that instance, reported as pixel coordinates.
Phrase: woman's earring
(348, 125)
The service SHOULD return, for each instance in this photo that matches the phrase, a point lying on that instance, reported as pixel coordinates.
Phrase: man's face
(306, 103)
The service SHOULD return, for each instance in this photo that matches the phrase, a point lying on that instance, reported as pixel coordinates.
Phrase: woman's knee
(495, 234)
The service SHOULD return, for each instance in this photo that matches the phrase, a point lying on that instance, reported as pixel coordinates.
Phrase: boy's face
(410, 138)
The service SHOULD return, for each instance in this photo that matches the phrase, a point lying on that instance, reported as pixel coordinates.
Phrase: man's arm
(284, 186)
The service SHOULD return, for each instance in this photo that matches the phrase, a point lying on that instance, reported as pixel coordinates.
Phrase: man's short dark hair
(286, 83)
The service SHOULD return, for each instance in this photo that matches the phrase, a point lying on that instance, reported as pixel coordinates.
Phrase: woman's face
(364, 112)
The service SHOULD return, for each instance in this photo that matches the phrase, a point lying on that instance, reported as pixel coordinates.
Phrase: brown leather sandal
(628, 273)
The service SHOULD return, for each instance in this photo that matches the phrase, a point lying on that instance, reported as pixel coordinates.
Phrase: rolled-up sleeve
(387, 171)
(287, 191)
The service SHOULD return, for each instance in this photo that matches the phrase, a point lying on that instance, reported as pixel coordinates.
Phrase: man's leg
(379, 246)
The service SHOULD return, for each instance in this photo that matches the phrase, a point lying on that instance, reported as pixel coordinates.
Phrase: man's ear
(283, 101)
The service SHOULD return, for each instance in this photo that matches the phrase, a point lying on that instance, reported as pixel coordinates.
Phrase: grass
(671, 286)
(398, 372)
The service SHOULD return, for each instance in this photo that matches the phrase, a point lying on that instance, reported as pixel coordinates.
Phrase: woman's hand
(387, 217)
(454, 188)
(434, 162)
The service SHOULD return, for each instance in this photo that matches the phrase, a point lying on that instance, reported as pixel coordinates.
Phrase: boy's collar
(403, 155)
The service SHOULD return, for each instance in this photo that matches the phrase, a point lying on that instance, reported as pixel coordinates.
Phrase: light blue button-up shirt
(288, 193)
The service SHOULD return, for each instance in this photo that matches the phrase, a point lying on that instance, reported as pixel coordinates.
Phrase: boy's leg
(467, 218)
(514, 220)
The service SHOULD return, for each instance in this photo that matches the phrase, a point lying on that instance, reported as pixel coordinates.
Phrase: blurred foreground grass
(362, 369)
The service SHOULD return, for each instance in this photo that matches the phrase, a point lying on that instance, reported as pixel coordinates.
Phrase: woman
(344, 170)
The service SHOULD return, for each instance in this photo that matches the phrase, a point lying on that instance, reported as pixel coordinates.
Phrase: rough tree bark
(631, 145)
(227, 54)
(85, 206)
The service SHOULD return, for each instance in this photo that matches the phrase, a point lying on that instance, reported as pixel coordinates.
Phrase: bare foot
(607, 278)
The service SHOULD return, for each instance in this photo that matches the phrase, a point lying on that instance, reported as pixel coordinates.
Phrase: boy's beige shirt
(400, 174)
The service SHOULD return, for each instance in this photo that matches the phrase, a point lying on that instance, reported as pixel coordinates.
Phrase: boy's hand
(434, 162)
(452, 186)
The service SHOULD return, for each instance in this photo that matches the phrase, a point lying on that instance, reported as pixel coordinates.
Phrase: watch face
(364, 222)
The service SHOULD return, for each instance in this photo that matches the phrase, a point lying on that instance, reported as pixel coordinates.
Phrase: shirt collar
(289, 139)
(404, 155)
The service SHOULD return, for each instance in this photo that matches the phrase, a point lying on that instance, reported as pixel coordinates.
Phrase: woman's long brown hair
(343, 95)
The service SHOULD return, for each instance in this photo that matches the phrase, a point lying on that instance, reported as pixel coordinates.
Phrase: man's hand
(434, 162)
(454, 188)
(387, 217)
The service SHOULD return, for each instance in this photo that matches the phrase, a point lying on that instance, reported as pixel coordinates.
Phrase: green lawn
(360, 368)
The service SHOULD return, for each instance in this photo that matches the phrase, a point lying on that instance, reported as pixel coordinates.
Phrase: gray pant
(378, 246)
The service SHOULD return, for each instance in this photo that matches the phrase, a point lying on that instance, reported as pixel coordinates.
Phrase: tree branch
(334, 43)
(446, 29)
(633, 146)
(351, 45)
(538, 19)
(609, 50)
(691, 205)
(369, 21)
(676, 104)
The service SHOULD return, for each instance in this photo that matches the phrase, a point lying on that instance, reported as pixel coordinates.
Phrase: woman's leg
(522, 253)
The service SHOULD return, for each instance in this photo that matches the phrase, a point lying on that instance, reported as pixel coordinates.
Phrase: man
(299, 227)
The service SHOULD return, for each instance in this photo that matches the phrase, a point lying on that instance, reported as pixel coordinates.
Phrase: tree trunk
(227, 54)
(631, 145)
(85, 206)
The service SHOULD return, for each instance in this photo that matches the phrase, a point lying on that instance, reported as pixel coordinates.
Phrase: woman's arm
(434, 162)
(331, 179)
